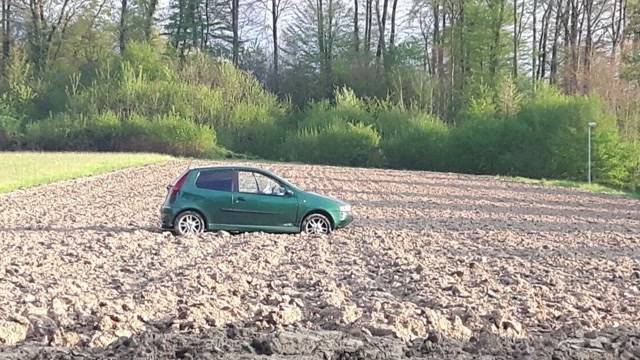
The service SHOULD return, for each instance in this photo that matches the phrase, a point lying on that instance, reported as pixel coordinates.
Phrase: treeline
(491, 87)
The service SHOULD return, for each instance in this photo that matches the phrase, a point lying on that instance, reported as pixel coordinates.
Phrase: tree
(149, 17)
(276, 8)
(235, 11)
(356, 28)
(6, 30)
(122, 29)
(48, 21)
(382, 22)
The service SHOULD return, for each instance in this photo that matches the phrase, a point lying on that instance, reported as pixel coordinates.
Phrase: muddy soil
(434, 266)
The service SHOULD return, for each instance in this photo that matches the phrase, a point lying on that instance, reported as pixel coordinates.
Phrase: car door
(261, 201)
(214, 195)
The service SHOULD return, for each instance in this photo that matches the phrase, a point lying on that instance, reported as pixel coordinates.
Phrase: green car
(234, 198)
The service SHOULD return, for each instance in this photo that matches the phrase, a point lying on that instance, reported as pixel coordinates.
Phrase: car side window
(267, 185)
(247, 182)
(215, 180)
(256, 183)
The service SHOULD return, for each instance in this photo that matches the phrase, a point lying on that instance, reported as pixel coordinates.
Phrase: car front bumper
(346, 217)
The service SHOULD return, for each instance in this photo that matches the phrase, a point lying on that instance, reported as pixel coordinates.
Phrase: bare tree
(534, 52)
(149, 17)
(122, 28)
(368, 19)
(382, 22)
(517, 33)
(6, 29)
(495, 46)
(356, 28)
(616, 25)
(49, 20)
(276, 8)
(235, 44)
(553, 69)
(392, 39)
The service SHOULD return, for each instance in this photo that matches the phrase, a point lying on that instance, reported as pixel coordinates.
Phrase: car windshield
(286, 182)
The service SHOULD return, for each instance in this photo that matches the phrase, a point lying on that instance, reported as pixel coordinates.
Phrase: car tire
(316, 224)
(189, 222)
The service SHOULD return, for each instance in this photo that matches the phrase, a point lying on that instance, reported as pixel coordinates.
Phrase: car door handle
(240, 199)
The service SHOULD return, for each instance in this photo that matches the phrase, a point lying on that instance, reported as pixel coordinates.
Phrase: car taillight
(173, 192)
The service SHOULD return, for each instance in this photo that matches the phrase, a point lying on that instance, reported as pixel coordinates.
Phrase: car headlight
(345, 208)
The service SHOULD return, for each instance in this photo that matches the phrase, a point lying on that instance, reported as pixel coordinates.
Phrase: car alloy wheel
(189, 223)
(316, 224)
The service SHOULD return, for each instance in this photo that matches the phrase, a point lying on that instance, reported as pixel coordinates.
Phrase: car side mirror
(288, 192)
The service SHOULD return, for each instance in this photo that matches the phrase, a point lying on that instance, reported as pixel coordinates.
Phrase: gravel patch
(435, 266)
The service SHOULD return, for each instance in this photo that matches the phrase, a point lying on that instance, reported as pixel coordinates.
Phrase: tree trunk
(274, 34)
(381, 27)
(617, 16)
(122, 29)
(389, 57)
(573, 45)
(543, 43)
(553, 70)
(329, 48)
(149, 18)
(6, 31)
(392, 39)
(207, 23)
(356, 29)
(534, 52)
(515, 39)
(235, 5)
(435, 47)
(495, 47)
(588, 45)
(322, 46)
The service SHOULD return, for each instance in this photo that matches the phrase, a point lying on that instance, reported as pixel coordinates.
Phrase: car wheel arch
(204, 218)
(321, 212)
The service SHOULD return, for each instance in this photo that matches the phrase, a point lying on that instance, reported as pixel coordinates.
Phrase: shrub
(212, 93)
(352, 145)
(106, 132)
(10, 126)
(489, 146)
(616, 163)
(390, 120)
(168, 134)
(422, 145)
(9, 132)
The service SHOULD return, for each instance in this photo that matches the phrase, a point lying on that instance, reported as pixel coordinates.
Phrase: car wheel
(316, 224)
(189, 222)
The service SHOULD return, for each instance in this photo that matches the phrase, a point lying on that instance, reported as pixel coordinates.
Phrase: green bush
(9, 132)
(168, 134)
(149, 100)
(10, 126)
(106, 132)
(616, 163)
(213, 93)
(351, 145)
(422, 145)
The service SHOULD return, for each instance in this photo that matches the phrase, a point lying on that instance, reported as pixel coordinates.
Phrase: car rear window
(215, 180)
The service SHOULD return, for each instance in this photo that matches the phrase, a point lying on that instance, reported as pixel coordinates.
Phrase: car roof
(229, 167)
(236, 168)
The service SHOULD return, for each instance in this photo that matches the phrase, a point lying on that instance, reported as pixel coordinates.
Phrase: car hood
(315, 196)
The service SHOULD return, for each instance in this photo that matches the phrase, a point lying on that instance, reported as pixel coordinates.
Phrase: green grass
(593, 187)
(20, 170)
